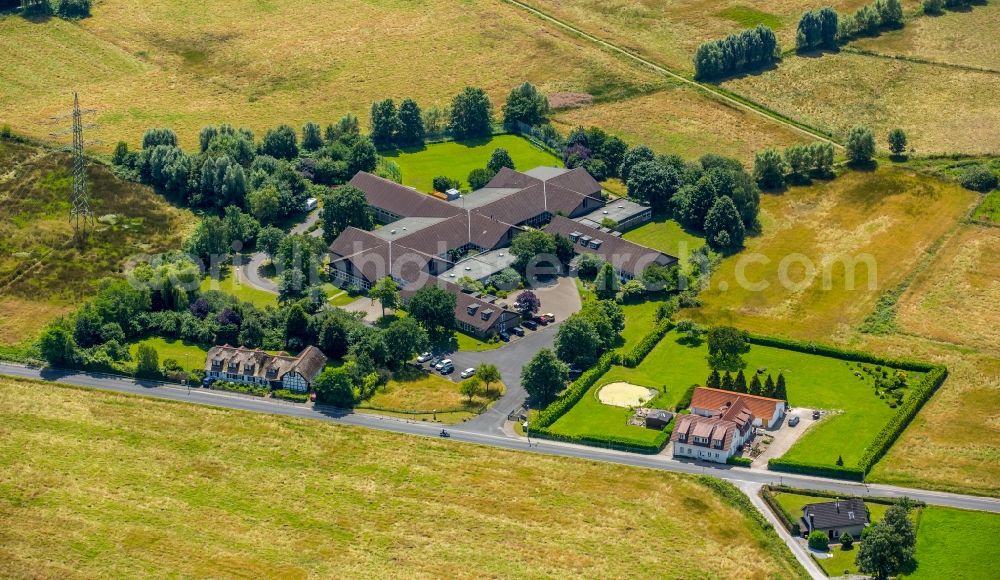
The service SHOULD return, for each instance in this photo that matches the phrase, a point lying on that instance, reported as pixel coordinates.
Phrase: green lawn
(456, 159)
(468, 342)
(813, 381)
(640, 317)
(953, 543)
(592, 418)
(989, 210)
(188, 355)
(842, 561)
(245, 292)
(667, 236)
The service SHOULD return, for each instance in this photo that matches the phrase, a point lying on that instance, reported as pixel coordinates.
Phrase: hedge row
(647, 344)
(786, 519)
(771, 488)
(576, 390)
(739, 461)
(891, 431)
(817, 469)
(293, 396)
(610, 442)
(838, 353)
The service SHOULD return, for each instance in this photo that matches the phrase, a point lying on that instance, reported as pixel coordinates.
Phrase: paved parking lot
(785, 436)
(561, 297)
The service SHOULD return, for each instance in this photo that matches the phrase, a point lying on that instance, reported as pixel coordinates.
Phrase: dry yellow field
(942, 110)
(962, 38)
(887, 218)
(957, 298)
(99, 484)
(953, 444)
(677, 120)
(669, 31)
(187, 64)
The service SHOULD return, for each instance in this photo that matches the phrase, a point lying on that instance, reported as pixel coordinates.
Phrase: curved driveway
(250, 271)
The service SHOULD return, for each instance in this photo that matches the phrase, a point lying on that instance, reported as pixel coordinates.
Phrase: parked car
(207, 382)
(530, 324)
(548, 317)
(815, 415)
(793, 420)
(541, 321)
(447, 367)
(435, 361)
(424, 357)
(517, 330)
(442, 363)
(468, 372)
(504, 336)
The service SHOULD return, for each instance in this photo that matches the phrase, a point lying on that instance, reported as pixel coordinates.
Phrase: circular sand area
(625, 394)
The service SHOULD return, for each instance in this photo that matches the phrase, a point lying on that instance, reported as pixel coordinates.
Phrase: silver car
(445, 363)
(468, 373)
(424, 357)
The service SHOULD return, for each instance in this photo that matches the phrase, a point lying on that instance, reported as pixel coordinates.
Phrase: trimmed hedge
(786, 519)
(287, 395)
(817, 469)
(647, 344)
(739, 461)
(837, 353)
(771, 488)
(610, 442)
(891, 431)
(575, 392)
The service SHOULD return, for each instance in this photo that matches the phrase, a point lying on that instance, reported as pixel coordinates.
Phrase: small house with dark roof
(657, 419)
(240, 364)
(835, 518)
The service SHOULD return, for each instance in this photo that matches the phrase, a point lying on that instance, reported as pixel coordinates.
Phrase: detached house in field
(721, 422)
(834, 518)
(239, 364)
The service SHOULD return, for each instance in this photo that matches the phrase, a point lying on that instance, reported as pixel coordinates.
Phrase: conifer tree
(714, 380)
(779, 388)
(727, 382)
(740, 386)
(768, 386)
(755, 387)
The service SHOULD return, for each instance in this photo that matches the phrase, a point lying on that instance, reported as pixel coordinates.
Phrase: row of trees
(799, 164)
(746, 50)
(825, 29)
(738, 384)
(938, 6)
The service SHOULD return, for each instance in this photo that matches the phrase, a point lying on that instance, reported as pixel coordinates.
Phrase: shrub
(846, 541)
(933, 6)
(739, 461)
(819, 541)
(290, 396)
(978, 178)
(36, 8)
(443, 183)
(72, 9)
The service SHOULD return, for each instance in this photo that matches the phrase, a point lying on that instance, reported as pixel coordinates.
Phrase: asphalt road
(472, 433)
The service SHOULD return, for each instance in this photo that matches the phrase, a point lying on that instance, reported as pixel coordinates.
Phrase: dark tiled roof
(577, 180)
(401, 200)
(836, 514)
(621, 253)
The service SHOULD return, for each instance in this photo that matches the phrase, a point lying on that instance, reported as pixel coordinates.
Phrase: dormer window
(485, 314)
(248, 369)
(471, 309)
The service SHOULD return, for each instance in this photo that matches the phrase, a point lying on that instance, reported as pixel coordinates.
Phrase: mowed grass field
(36, 235)
(942, 109)
(682, 121)
(666, 235)
(950, 543)
(189, 356)
(100, 484)
(592, 418)
(189, 64)
(457, 159)
(418, 392)
(887, 218)
(669, 31)
(230, 284)
(960, 37)
(813, 382)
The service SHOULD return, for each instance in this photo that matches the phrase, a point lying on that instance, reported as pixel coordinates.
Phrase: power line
(81, 216)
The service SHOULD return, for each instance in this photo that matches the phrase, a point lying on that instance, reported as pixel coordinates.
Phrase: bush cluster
(742, 51)
(819, 470)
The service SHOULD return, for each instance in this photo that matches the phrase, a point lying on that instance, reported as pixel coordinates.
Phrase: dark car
(207, 382)
(504, 336)
(517, 330)
(530, 324)
(541, 321)
(815, 414)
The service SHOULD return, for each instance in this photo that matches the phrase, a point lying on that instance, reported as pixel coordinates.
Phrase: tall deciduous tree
(577, 342)
(525, 104)
(726, 345)
(147, 361)
(404, 338)
(344, 207)
(335, 387)
(527, 303)
(384, 123)
(411, 123)
(606, 284)
(544, 377)
(434, 308)
(280, 143)
(471, 114)
(769, 169)
(860, 146)
(723, 225)
(386, 291)
(653, 182)
(489, 374)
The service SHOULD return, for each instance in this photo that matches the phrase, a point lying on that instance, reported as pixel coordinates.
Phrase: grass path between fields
(711, 90)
